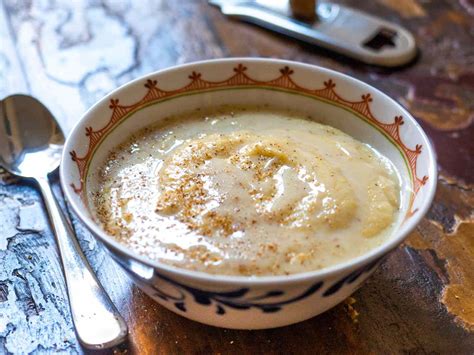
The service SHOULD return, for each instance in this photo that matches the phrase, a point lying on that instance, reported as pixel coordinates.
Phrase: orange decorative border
(241, 79)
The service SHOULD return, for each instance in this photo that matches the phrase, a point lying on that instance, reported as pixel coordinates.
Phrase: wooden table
(71, 53)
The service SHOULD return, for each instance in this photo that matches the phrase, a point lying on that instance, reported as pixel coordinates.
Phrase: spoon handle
(98, 323)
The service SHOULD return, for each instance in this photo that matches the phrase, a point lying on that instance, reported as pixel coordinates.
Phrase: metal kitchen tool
(31, 143)
(339, 28)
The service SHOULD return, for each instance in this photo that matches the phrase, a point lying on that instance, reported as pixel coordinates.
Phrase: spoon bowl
(32, 141)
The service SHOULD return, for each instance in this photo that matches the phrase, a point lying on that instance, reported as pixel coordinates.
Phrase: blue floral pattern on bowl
(239, 300)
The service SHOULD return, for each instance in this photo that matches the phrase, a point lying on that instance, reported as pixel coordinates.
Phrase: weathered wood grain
(71, 53)
(11, 75)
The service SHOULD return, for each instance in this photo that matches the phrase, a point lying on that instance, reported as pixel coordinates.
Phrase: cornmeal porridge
(246, 191)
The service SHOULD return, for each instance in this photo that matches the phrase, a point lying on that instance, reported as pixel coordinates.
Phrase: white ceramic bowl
(338, 100)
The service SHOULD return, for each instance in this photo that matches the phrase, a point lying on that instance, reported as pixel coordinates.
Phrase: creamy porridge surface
(246, 191)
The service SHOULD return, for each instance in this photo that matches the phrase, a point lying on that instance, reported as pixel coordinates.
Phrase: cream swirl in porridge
(246, 191)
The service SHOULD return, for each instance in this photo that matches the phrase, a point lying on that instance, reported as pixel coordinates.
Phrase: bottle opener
(339, 28)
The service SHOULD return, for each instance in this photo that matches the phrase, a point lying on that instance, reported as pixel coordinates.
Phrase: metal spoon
(31, 143)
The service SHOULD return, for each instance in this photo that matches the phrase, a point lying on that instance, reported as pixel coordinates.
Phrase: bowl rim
(392, 242)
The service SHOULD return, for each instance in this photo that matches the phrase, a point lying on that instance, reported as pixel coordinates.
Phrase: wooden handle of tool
(303, 9)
